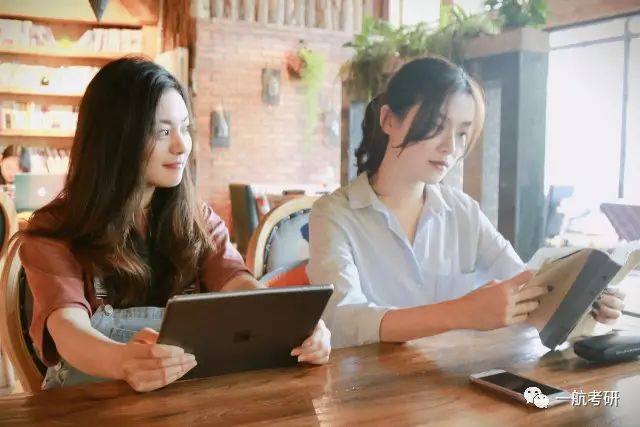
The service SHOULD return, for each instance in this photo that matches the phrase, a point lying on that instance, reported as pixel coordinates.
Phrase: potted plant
(381, 48)
(376, 50)
(519, 13)
(518, 21)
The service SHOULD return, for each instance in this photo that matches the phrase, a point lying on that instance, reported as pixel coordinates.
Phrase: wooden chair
(279, 241)
(8, 219)
(15, 316)
(244, 214)
(8, 226)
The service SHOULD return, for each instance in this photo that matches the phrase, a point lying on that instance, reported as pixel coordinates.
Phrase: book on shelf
(136, 41)
(24, 34)
(32, 116)
(125, 41)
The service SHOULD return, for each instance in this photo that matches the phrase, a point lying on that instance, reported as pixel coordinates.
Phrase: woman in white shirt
(407, 255)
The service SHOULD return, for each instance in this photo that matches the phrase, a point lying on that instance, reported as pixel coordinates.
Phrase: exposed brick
(268, 143)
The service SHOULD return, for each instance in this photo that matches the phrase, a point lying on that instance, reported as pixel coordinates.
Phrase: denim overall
(119, 325)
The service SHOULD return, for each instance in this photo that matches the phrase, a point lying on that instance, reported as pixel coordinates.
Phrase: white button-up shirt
(359, 246)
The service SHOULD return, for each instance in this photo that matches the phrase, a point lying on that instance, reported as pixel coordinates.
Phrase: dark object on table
(614, 347)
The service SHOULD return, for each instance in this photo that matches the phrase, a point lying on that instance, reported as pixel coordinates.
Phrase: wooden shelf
(37, 138)
(37, 133)
(30, 93)
(55, 52)
(79, 12)
(72, 21)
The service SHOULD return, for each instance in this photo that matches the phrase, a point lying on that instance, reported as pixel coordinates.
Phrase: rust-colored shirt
(57, 279)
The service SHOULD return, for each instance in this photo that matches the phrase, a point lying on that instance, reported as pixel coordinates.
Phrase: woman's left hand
(316, 348)
(608, 306)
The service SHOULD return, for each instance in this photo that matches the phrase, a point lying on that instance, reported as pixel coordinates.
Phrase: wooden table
(417, 383)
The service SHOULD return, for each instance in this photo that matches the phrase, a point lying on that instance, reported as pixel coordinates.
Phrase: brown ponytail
(371, 151)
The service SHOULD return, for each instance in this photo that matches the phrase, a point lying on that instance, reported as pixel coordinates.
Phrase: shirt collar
(435, 199)
(360, 192)
(361, 195)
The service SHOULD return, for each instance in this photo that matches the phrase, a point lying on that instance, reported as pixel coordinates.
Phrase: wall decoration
(271, 86)
(98, 7)
(331, 122)
(220, 128)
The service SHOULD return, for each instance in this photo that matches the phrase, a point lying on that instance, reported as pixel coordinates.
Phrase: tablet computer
(243, 330)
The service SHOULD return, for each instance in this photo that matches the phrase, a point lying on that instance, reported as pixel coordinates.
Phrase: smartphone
(521, 388)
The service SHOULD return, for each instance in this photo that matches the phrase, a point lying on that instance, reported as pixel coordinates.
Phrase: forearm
(241, 282)
(84, 347)
(404, 324)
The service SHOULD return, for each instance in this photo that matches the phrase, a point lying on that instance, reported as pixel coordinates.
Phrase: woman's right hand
(148, 366)
(501, 303)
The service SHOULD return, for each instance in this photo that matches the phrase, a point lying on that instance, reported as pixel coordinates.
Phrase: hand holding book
(576, 280)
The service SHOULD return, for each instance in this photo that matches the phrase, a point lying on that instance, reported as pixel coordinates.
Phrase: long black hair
(428, 82)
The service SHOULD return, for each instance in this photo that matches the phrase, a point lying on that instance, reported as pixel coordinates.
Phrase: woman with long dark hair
(125, 234)
(407, 255)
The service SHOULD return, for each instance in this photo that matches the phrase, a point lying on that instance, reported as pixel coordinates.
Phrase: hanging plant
(312, 78)
(309, 67)
(294, 65)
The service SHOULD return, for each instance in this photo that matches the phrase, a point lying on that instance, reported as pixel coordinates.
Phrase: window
(593, 138)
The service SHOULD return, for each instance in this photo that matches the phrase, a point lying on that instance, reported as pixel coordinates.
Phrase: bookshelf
(54, 133)
(28, 94)
(68, 21)
(119, 13)
(63, 53)
(37, 138)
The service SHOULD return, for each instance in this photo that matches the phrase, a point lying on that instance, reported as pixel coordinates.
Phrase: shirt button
(108, 309)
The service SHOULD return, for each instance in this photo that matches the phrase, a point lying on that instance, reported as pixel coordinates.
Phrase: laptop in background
(33, 191)
(625, 219)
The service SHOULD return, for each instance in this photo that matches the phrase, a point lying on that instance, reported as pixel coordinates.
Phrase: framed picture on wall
(220, 128)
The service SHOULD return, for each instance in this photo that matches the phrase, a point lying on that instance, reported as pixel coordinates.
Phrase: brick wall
(267, 143)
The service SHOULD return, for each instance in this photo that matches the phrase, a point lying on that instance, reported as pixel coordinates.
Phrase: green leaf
(380, 44)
